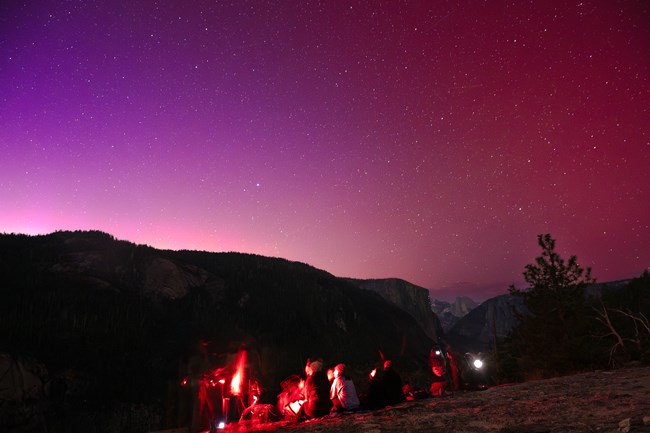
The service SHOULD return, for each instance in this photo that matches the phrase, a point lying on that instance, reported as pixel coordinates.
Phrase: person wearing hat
(317, 402)
(343, 393)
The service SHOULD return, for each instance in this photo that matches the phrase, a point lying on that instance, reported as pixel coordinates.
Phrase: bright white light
(222, 425)
(478, 363)
(296, 405)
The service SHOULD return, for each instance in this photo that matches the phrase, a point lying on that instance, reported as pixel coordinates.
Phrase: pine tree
(553, 335)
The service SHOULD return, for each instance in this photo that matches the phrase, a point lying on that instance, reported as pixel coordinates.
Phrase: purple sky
(430, 141)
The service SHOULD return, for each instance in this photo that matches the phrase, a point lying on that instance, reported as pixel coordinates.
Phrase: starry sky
(425, 140)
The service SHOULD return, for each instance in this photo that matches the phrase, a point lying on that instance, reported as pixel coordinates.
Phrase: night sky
(425, 140)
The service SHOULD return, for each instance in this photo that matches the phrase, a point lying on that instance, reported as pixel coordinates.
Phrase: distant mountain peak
(451, 312)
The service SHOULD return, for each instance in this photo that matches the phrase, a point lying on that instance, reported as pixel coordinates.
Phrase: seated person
(391, 384)
(317, 387)
(343, 393)
(374, 398)
(439, 381)
(291, 398)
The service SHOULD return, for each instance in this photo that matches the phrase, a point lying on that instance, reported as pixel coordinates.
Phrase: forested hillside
(121, 323)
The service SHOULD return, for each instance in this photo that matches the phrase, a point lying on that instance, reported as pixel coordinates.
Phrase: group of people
(333, 391)
(322, 392)
(323, 395)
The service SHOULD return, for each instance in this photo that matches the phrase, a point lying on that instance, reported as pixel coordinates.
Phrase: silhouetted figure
(317, 391)
(374, 398)
(391, 384)
(453, 367)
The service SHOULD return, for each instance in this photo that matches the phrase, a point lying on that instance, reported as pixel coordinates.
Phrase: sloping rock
(166, 279)
(22, 389)
(476, 331)
(413, 299)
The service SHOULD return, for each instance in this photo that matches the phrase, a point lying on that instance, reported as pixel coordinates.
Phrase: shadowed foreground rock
(616, 401)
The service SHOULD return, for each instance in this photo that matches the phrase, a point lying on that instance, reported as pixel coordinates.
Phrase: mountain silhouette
(124, 324)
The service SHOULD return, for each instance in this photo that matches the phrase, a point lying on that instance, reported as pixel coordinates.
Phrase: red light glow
(235, 385)
(238, 377)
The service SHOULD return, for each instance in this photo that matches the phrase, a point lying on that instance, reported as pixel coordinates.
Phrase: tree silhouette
(623, 315)
(553, 335)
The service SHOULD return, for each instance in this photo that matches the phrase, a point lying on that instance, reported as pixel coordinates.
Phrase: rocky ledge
(602, 401)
